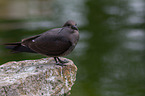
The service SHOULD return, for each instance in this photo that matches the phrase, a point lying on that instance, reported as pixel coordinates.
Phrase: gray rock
(36, 78)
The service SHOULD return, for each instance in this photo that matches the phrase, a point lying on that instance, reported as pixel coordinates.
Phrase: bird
(57, 42)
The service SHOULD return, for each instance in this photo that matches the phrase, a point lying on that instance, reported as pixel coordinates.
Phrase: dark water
(110, 55)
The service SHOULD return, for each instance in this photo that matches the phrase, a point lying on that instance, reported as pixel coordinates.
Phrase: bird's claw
(64, 61)
(60, 64)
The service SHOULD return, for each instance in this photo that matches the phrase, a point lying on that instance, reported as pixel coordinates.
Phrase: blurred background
(110, 55)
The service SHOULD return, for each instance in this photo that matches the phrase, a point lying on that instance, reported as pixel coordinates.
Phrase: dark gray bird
(53, 43)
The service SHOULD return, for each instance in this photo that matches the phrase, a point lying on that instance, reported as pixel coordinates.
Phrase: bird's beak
(74, 27)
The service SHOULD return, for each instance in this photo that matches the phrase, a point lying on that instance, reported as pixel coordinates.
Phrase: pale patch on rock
(36, 78)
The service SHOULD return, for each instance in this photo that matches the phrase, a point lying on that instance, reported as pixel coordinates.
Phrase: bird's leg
(65, 61)
(60, 62)
(56, 60)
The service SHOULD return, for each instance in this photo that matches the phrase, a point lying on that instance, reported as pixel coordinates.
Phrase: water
(111, 51)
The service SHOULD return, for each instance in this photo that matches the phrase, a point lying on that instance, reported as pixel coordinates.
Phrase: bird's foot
(63, 61)
(60, 62)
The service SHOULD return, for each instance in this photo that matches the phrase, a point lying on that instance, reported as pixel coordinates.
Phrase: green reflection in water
(114, 64)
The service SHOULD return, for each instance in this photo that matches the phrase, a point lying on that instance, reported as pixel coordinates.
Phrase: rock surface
(36, 78)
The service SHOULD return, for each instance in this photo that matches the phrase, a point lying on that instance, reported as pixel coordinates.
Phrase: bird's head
(71, 24)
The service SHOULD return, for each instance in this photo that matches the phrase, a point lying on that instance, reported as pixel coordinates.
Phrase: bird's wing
(51, 45)
(26, 41)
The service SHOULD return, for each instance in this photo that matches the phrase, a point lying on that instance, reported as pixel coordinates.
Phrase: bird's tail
(17, 47)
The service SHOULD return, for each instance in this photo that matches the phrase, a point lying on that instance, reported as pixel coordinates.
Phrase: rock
(36, 78)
